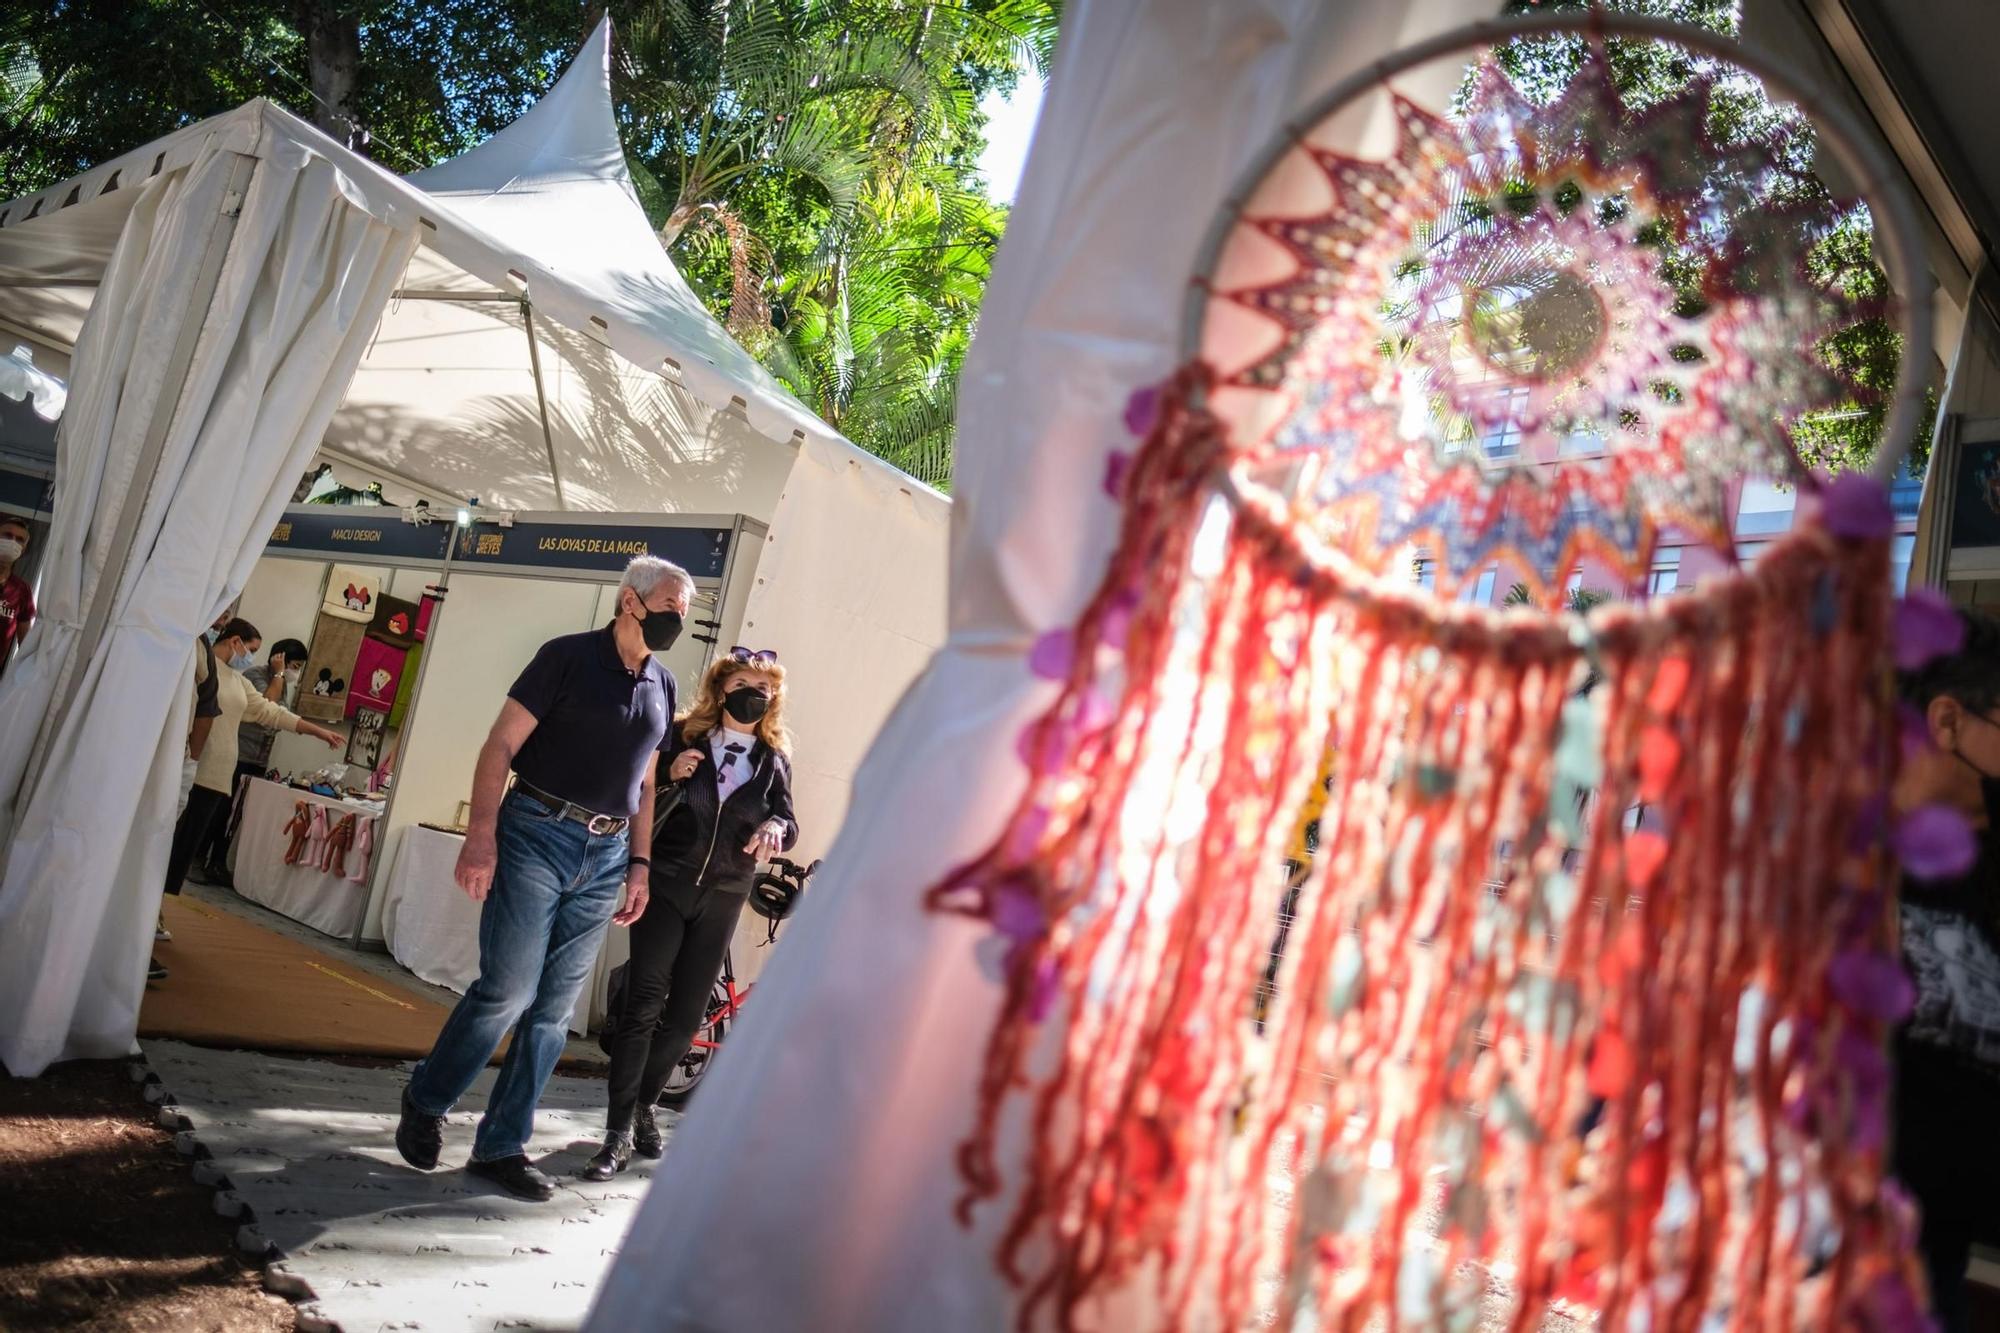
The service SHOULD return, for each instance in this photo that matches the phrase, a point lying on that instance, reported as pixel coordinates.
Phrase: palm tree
(874, 333)
(810, 164)
(1578, 601)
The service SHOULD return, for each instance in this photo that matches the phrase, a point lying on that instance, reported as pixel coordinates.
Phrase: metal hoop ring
(1874, 173)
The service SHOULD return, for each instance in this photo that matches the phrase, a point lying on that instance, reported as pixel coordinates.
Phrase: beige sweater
(240, 703)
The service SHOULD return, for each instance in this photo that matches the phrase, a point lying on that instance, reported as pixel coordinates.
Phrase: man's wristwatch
(639, 861)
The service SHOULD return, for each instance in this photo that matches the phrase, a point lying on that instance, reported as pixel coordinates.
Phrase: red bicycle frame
(728, 1009)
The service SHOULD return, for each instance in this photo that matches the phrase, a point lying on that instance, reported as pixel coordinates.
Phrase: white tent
(244, 295)
(812, 1183)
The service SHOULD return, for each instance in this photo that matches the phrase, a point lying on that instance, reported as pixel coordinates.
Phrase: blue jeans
(555, 889)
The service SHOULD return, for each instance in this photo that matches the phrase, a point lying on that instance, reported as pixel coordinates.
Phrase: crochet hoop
(1679, 405)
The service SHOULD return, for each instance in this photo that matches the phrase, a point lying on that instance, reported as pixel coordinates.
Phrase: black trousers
(677, 951)
(205, 810)
(1945, 1156)
(213, 851)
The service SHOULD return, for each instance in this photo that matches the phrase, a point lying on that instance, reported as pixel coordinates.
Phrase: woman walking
(726, 794)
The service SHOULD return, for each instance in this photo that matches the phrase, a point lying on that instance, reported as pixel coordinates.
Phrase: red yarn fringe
(1622, 1084)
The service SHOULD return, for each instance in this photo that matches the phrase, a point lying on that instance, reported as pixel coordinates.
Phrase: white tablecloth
(331, 904)
(432, 928)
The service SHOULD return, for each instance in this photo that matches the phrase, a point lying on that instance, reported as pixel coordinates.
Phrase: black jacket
(693, 840)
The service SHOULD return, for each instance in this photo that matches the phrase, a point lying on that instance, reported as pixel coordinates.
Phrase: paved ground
(303, 1153)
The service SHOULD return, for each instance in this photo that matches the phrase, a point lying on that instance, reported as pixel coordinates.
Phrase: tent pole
(377, 884)
(542, 400)
(146, 472)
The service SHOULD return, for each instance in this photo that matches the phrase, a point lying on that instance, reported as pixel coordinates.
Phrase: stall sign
(597, 547)
(352, 532)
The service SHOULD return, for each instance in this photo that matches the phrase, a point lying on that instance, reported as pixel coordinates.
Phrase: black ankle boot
(646, 1137)
(613, 1157)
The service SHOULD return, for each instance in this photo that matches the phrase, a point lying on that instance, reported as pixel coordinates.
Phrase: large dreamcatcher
(1584, 998)
(1532, 335)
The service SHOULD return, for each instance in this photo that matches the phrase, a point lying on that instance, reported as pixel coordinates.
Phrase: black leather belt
(600, 825)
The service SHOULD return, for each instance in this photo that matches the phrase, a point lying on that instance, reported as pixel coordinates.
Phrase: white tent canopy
(534, 347)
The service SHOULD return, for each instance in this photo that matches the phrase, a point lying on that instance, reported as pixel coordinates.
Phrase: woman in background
(726, 794)
(272, 680)
(238, 702)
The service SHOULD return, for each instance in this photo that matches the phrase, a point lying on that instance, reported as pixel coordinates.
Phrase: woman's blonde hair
(706, 713)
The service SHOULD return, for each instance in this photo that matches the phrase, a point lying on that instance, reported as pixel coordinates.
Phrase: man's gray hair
(647, 572)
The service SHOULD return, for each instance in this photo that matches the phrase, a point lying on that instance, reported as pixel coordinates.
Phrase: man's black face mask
(660, 629)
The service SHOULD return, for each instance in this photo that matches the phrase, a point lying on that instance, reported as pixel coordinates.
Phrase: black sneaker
(613, 1157)
(517, 1175)
(419, 1136)
(646, 1139)
(156, 970)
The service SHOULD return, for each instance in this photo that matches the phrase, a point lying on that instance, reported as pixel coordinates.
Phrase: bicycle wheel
(688, 1073)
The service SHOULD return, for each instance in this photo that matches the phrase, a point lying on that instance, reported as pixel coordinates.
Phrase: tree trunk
(333, 58)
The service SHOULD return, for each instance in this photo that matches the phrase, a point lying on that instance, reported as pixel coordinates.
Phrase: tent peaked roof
(554, 182)
(544, 211)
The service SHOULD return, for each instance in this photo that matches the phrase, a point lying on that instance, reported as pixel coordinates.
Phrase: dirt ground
(102, 1226)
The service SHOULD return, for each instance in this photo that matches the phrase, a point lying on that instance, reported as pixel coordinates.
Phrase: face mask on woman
(10, 550)
(242, 662)
(746, 704)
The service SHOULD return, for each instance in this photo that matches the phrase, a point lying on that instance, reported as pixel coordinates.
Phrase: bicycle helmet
(775, 893)
(773, 897)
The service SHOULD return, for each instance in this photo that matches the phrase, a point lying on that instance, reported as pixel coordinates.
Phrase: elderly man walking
(551, 862)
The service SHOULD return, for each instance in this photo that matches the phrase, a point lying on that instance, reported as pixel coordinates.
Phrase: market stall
(414, 633)
(245, 299)
(305, 855)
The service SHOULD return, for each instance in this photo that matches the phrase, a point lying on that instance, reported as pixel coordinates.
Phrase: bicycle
(772, 897)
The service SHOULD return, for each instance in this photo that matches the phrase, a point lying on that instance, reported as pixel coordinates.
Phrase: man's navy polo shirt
(597, 724)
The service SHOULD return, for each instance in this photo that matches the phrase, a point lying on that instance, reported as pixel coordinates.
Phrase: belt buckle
(603, 825)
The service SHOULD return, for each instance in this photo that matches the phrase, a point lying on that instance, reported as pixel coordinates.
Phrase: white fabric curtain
(812, 1183)
(92, 733)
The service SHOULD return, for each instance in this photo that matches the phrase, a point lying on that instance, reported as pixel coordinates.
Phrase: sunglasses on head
(761, 656)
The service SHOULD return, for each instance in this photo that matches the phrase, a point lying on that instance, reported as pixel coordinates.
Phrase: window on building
(1423, 572)
(1902, 550)
(1501, 439)
(1764, 509)
(1906, 493)
(1749, 553)
(1575, 584)
(1581, 442)
(1480, 591)
(1665, 575)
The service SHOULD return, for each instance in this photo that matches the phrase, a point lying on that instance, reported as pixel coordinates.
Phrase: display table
(432, 928)
(330, 903)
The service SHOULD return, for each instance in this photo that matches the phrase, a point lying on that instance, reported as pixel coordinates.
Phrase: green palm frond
(809, 164)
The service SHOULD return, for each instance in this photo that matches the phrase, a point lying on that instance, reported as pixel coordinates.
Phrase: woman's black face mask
(746, 704)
